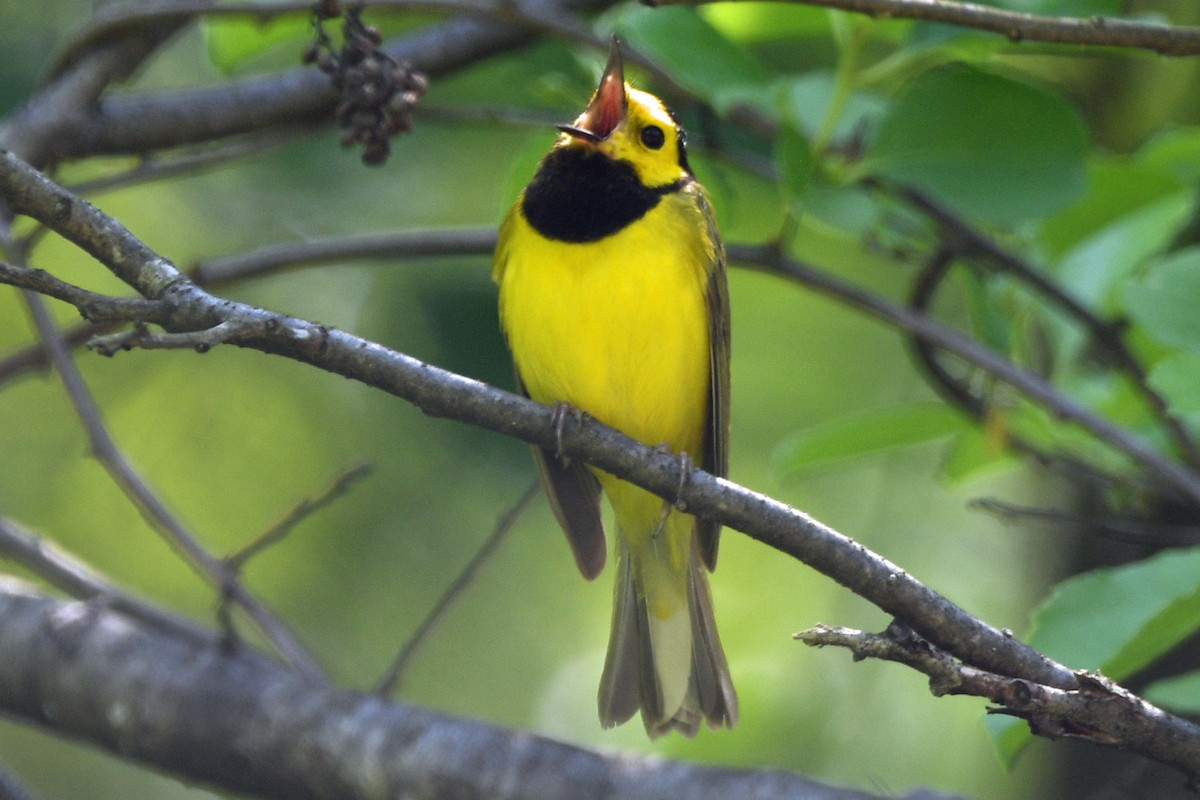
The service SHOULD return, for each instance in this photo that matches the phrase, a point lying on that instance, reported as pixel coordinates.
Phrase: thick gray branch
(142, 122)
(243, 722)
(51, 118)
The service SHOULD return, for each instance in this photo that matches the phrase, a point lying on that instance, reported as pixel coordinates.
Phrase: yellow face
(648, 138)
(632, 127)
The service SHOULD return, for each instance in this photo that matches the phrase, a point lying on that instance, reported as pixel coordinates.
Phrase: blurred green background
(233, 439)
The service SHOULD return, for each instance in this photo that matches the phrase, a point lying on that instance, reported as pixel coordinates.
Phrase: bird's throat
(579, 195)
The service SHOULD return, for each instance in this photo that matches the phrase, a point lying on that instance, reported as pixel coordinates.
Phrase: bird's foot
(686, 465)
(561, 412)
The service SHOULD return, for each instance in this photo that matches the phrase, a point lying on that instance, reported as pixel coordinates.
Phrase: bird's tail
(664, 654)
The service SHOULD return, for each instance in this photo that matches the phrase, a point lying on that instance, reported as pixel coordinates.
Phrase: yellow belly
(618, 328)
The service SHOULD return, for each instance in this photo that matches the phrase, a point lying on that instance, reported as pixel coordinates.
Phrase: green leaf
(696, 54)
(851, 210)
(232, 41)
(1118, 620)
(767, 22)
(1009, 736)
(991, 147)
(804, 102)
(1165, 300)
(1117, 187)
(991, 311)
(1093, 269)
(975, 452)
(1177, 152)
(1180, 693)
(796, 164)
(1177, 378)
(864, 435)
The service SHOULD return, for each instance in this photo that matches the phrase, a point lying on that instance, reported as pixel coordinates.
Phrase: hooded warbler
(613, 300)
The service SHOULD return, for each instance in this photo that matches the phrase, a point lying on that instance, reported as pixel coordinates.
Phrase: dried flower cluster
(378, 92)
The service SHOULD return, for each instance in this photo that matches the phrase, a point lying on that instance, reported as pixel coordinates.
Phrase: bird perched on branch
(613, 300)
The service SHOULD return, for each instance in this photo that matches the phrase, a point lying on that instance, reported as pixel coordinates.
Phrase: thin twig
(963, 240)
(1093, 31)
(233, 564)
(32, 357)
(291, 255)
(93, 306)
(127, 477)
(924, 352)
(1131, 531)
(135, 487)
(142, 337)
(303, 510)
(391, 680)
(1173, 474)
(159, 167)
(62, 570)
(978, 404)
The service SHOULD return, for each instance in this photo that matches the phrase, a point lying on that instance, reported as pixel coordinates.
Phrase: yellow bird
(614, 302)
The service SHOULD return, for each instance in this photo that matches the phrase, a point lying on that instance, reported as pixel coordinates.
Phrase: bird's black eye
(653, 137)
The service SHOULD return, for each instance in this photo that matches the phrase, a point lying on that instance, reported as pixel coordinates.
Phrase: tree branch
(48, 120)
(142, 122)
(1094, 31)
(185, 307)
(766, 258)
(1099, 711)
(193, 317)
(960, 239)
(65, 572)
(139, 491)
(172, 698)
(245, 723)
(311, 252)
(389, 683)
(1178, 476)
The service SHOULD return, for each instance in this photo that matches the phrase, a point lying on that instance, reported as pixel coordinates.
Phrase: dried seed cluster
(378, 92)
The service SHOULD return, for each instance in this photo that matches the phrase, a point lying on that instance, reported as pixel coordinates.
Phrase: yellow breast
(616, 327)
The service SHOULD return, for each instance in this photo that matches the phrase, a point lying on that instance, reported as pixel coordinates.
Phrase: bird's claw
(686, 465)
(561, 412)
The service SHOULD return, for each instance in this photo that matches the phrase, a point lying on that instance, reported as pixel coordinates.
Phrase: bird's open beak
(607, 109)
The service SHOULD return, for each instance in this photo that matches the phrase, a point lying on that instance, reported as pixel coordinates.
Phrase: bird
(614, 303)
